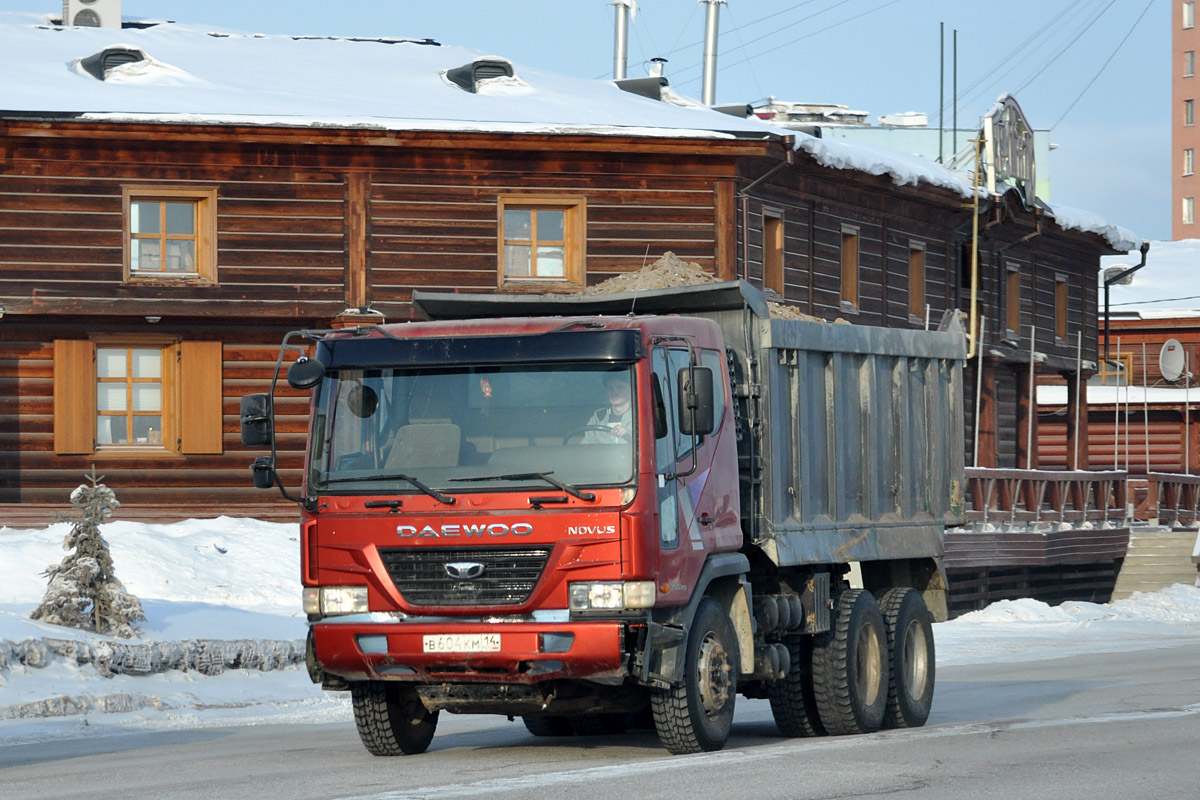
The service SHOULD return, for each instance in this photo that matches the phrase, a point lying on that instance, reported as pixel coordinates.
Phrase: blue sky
(880, 56)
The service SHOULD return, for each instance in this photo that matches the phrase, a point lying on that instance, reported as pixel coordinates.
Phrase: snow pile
(1019, 630)
(223, 638)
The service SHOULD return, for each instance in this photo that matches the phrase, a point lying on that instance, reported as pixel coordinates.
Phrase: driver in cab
(615, 423)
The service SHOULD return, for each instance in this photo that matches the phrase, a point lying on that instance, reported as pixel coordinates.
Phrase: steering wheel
(584, 429)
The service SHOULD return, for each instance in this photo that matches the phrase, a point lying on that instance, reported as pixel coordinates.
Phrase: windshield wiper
(545, 476)
(398, 476)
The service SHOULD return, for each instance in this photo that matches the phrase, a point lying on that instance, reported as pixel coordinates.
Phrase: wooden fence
(1047, 535)
(1177, 498)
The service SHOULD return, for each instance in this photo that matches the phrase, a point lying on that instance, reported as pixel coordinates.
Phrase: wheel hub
(715, 675)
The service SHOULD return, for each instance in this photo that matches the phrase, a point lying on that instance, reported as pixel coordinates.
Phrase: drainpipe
(708, 94)
(621, 42)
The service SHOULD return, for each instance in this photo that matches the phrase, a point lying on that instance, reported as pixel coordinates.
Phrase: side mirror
(264, 473)
(696, 401)
(306, 373)
(256, 420)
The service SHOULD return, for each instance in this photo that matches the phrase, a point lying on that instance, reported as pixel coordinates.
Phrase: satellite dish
(1171, 360)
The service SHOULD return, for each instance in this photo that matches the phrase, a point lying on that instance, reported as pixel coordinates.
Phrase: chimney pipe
(655, 68)
(708, 94)
(621, 42)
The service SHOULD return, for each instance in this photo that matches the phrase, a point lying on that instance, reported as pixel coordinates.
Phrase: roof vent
(651, 87)
(99, 65)
(468, 76)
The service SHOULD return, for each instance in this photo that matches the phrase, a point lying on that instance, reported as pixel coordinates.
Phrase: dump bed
(850, 437)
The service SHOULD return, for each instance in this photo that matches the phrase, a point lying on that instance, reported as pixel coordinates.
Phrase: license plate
(462, 643)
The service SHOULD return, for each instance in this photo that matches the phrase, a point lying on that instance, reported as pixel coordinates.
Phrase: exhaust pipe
(708, 94)
(621, 41)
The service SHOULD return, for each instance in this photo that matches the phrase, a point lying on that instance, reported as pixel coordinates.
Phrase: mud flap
(662, 664)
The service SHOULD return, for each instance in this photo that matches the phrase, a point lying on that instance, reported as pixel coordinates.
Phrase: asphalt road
(1097, 726)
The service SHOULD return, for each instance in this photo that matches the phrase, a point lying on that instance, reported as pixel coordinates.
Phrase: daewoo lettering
(479, 530)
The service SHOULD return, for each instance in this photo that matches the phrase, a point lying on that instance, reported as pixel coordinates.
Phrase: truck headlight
(335, 600)
(611, 595)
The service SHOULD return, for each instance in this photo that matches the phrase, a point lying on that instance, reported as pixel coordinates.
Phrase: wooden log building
(168, 212)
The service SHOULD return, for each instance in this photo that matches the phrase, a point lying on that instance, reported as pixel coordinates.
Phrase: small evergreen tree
(84, 591)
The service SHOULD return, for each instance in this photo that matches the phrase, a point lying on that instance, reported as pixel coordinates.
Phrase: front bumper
(366, 647)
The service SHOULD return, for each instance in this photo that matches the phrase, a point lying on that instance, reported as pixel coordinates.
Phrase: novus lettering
(591, 530)
(469, 530)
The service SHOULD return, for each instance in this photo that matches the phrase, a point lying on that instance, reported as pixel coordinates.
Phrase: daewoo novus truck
(480, 533)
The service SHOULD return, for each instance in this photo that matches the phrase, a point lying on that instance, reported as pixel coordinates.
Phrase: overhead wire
(742, 46)
(1064, 50)
(807, 35)
(1104, 66)
(1010, 59)
(749, 24)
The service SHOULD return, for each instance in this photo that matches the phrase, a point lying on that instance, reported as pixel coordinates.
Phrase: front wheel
(850, 672)
(391, 718)
(910, 657)
(696, 715)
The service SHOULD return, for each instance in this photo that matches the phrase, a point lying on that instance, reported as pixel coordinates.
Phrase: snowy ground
(223, 592)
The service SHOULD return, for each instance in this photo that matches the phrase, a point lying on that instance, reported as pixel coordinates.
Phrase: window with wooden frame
(1012, 301)
(1116, 370)
(1060, 306)
(170, 235)
(1189, 14)
(849, 266)
(1189, 63)
(773, 250)
(137, 394)
(1187, 210)
(541, 241)
(1189, 160)
(916, 280)
(1189, 112)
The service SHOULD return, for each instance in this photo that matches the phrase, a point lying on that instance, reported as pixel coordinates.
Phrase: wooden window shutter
(74, 397)
(200, 397)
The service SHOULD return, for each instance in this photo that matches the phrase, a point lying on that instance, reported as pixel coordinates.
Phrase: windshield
(473, 429)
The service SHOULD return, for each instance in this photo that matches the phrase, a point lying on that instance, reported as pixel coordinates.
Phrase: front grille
(509, 574)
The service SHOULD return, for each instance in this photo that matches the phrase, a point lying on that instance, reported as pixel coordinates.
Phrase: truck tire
(696, 715)
(792, 701)
(850, 673)
(548, 726)
(910, 658)
(391, 719)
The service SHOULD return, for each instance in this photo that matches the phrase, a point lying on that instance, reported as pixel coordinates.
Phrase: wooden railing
(1177, 498)
(1066, 499)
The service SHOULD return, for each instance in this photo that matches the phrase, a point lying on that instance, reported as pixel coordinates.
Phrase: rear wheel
(850, 673)
(696, 715)
(792, 701)
(910, 658)
(391, 719)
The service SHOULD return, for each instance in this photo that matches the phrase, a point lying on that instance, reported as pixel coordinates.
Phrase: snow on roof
(203, 75)
(196, 75)
(1056, 395)
(1075, 219)
(1166, 287)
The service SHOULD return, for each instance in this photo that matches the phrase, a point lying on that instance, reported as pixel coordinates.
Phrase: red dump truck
(599, 512)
